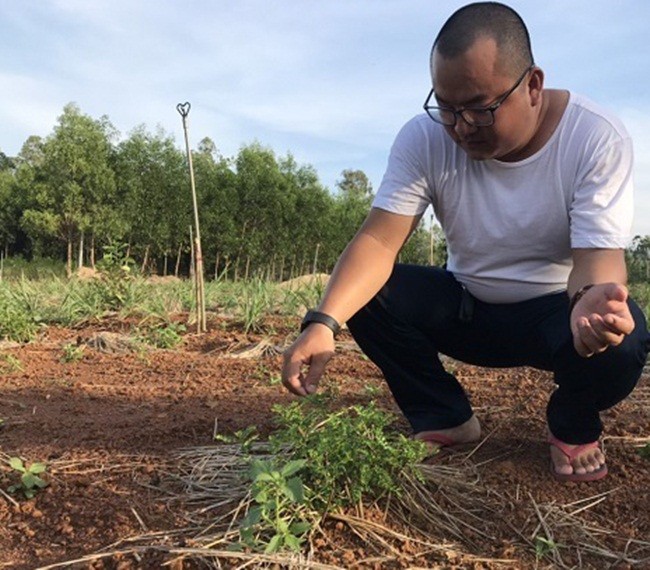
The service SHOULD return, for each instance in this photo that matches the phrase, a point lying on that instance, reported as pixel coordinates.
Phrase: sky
(331, 81)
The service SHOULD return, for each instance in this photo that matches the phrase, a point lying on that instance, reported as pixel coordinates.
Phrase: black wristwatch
(323, 319)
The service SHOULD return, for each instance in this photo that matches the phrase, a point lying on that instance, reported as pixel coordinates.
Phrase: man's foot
(585, 462)
(468, 432)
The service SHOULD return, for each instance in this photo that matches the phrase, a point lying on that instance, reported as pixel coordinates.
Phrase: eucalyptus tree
(216, 186)
(75, 179)
(306, 218)
(351, 205)
(261, 202)
(152, 186)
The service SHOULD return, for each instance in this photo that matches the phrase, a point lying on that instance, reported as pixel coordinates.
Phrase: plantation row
(68, 195)
(28, 305)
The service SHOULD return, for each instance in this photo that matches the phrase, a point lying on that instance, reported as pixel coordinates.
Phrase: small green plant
(166, 336)
(9, 363)
(19, 318)
(255, 301)
(279, 519)
(30, 482)
(243, 437)
(115, 285)
(350, 455)
(372, 391)
(73, 352)
(544, 546)
(645, 451)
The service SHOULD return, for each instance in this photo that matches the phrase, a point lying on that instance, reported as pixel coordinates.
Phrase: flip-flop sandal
(438, 442)
(438, 439)
(571, 453)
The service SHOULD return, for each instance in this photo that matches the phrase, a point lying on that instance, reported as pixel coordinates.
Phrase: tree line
(79, 190)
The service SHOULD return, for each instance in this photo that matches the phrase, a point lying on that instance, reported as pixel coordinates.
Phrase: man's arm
(362, 269)
(601, 317)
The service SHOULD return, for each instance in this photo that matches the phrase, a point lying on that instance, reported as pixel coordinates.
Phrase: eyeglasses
(473, 116)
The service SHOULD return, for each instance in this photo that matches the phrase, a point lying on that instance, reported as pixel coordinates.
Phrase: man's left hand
(600, 319)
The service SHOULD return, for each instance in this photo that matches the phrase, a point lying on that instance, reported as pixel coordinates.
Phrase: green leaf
(282, 527)
(293, 467)
(274, 544)
(28, 480)
(17, 464)
(253, 517)
(40, 483)
(294, 490)
(37, 468)
(261, 496)
(264, 477)
(299, 528)
(292, 542)
(235, 547)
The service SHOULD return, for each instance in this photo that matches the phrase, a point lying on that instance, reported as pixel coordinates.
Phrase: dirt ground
(108, 425)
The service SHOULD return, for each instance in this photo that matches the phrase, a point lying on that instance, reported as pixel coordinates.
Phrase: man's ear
(536, 86)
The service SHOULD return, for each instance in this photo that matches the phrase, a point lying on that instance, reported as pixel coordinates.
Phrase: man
(533, 189)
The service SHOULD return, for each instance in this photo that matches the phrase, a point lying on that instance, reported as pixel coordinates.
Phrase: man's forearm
(362, 269)
(593, 266)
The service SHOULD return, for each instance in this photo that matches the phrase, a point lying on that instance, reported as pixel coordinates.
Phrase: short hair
(491, 19)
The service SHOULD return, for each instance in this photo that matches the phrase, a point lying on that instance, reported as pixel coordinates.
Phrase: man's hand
(313, 348)
(600, 319)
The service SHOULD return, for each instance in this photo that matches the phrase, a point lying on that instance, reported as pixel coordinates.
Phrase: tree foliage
(260, 214)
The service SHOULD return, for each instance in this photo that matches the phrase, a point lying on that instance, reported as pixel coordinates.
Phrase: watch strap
(579, 294)
(323, 319)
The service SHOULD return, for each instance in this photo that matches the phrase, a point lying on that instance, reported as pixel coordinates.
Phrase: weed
(165, 336)
(372, 391)
(115, 286)
(19, 320)
(255, 301)
(244, 437)
(9, 363)
(73, 352)
(280, 517)
(30, 482)
(350, 454)
(544, 546)
(645, 451)
(275, 379)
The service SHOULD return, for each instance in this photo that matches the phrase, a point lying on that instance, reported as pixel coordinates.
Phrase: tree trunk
(165, 265)
(282, 269)
(248, 264)
(315, 266)
(68, 263)
(80, 258)
(92, 250)
(216, 268)
(146, 259)
(178, 260)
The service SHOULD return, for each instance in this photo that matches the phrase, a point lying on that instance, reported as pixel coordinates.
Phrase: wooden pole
(184, 110)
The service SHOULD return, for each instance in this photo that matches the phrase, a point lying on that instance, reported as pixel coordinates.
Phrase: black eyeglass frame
(460, 112)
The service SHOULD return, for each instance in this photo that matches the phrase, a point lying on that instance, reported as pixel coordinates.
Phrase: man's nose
(462, 127)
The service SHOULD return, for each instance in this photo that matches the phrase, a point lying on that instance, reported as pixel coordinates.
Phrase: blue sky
(329, 81)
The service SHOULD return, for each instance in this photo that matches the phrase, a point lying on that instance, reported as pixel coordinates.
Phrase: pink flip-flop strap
(438, 438)
(572, 452)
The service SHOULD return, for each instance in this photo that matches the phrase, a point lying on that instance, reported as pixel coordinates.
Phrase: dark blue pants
(424, 311)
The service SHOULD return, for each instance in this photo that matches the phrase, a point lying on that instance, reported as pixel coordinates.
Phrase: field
(121, 399)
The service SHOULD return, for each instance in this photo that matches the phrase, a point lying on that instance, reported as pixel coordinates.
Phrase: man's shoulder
(593, 116)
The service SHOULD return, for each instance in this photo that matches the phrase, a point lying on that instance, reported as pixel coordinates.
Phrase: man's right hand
(312, 349)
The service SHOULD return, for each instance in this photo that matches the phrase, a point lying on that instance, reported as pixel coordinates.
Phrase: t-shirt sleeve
(602, 208)
(404, 188)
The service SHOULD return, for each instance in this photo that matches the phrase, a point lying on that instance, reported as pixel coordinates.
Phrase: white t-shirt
(510, 226)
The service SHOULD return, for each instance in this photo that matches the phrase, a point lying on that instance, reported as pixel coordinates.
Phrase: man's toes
(563, 469)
